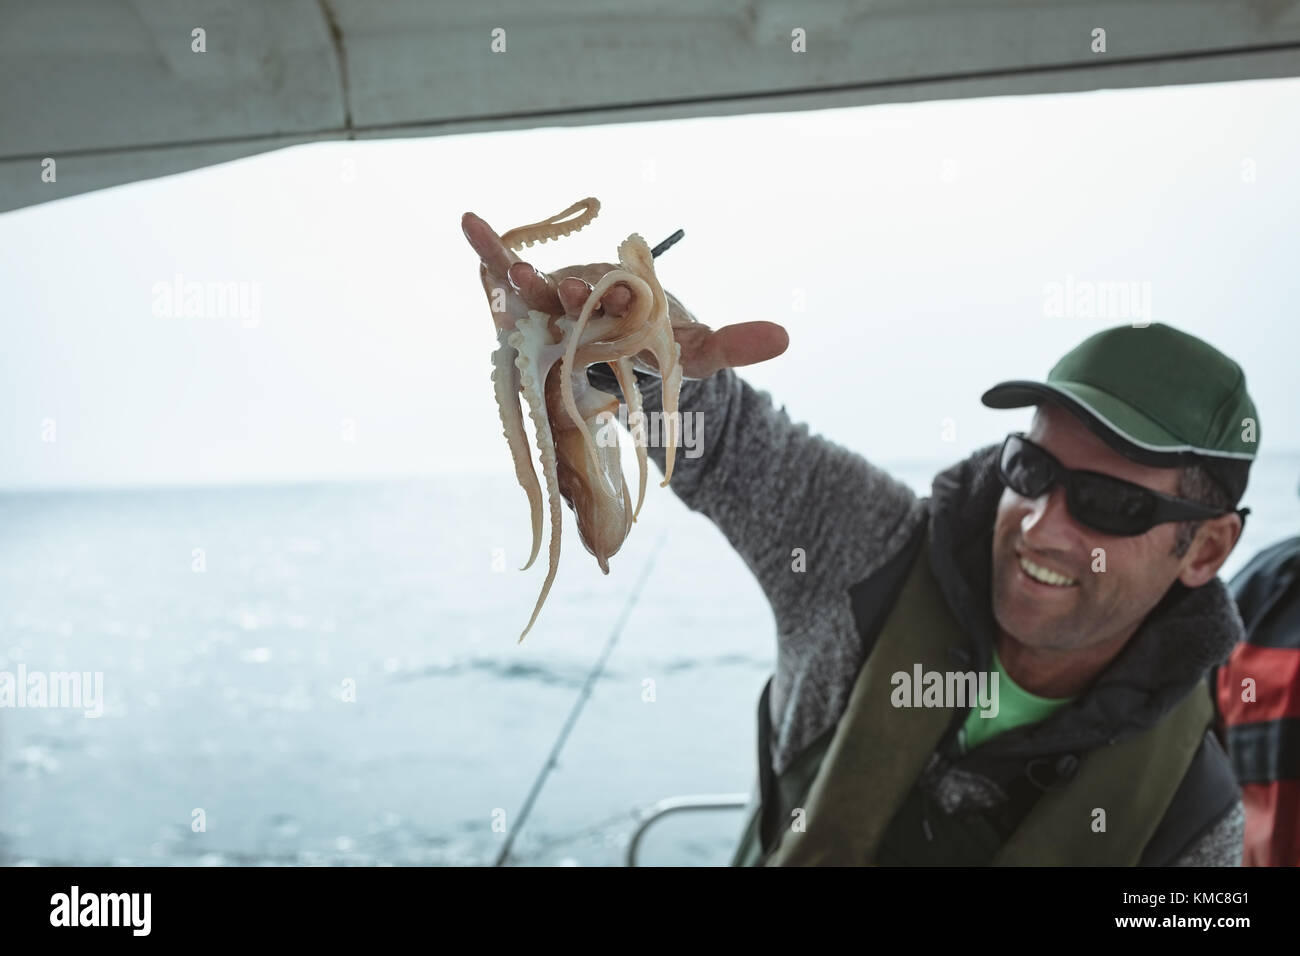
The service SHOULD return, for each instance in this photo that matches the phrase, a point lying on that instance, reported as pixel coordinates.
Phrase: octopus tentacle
(632, 397)
(596, 491)
(505, 381)
(668, 354)
(636, 257)
(555, 227)
(613, 350)
(534, 365)
(640, 306)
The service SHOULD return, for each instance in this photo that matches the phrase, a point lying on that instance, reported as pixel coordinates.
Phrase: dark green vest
(838, 797)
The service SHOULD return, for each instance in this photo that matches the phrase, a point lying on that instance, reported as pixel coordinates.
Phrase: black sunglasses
(1101, 502)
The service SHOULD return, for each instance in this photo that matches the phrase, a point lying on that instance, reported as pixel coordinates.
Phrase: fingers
(487, 244)
(617, 300)
(536, 289)
(747, 343)
(574, 293)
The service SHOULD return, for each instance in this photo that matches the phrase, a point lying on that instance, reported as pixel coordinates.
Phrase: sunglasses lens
(1112, 507)
(1025, 469)
(1104, 504)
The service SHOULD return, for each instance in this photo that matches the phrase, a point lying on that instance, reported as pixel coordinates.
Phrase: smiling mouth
(1045, 575)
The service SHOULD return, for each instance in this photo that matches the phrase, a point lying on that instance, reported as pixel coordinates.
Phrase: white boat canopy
(114, 91)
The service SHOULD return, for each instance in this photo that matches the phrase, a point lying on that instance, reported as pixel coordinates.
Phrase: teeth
(1045, 576)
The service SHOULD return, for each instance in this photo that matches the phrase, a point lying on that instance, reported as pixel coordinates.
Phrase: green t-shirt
(1016, 706)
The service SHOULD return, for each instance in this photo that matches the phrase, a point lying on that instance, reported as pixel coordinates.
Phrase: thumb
(747, 343)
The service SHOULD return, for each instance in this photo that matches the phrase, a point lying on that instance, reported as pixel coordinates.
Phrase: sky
(917, 254)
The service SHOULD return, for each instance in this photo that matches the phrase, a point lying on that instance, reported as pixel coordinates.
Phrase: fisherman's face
(1095, 606)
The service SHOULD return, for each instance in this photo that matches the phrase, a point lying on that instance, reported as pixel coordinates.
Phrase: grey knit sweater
(772, 487)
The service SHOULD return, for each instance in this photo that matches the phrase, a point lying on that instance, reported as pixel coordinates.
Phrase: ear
(1214, 541)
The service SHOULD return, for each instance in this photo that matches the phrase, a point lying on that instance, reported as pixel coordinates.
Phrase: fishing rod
(552, 759)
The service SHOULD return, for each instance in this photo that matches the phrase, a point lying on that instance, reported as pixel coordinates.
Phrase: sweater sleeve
(808, 517)
(1221, 844)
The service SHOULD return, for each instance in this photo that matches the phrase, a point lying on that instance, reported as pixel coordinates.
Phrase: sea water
(330, 674)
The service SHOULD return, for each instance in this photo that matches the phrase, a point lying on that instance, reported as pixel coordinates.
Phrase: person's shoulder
(1256, 587)
(1268, 561)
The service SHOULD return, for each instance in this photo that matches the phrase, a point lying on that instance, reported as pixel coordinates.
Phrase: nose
(1047, 525)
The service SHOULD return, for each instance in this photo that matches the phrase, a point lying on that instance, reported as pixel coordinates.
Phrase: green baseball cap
(1156, 395)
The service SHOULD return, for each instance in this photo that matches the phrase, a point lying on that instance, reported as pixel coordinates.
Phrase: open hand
(565, 291)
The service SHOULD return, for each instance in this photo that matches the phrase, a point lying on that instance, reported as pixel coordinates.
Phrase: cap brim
(1118, 424)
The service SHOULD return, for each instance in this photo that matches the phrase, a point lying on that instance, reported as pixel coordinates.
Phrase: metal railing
(657, 811)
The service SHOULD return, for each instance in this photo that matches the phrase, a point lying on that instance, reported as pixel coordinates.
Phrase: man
(1073, 569)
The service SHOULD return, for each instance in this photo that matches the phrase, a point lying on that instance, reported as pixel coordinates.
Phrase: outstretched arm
(805, 514)
(808, 516)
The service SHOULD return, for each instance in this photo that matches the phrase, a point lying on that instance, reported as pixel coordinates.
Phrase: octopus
(544, 358)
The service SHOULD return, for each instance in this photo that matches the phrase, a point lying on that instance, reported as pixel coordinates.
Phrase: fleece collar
(1189, 632)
